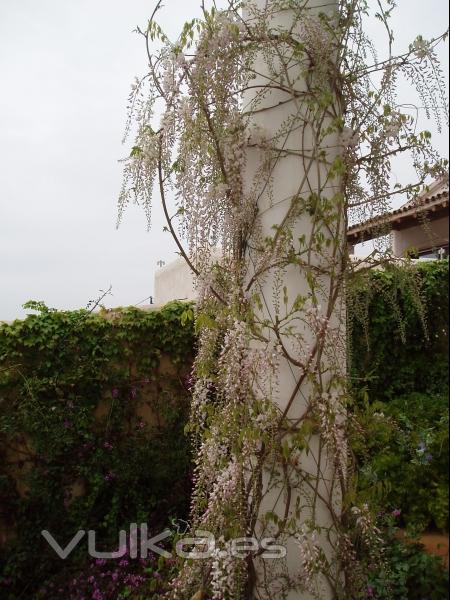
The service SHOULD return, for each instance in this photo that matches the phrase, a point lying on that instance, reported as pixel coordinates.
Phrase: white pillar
(295, 176)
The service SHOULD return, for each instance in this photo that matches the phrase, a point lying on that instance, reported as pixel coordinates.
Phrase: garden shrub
(404, 459)
(408, 572)
(92, 414)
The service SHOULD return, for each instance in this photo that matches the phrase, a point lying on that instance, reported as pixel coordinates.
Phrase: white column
(299, 177)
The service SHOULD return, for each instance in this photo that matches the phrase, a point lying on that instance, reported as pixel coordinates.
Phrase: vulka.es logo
(138, 545)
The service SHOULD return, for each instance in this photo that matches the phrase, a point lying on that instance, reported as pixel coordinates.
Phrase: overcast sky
(66, 67)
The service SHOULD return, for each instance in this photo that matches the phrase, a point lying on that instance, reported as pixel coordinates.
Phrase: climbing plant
(398, 341)
(265, 128)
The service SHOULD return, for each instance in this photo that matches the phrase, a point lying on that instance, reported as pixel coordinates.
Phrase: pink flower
(100, 562)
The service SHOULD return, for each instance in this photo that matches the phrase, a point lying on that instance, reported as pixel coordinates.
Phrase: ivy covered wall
(399, 367)
(92, 414)
(399, 331)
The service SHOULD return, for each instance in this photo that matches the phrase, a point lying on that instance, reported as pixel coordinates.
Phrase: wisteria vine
(269, 418)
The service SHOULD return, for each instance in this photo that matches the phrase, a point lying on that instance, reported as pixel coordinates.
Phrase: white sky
(66, 67)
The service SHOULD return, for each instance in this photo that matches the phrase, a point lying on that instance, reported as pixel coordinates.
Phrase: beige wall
(174, 282)
(421, 237)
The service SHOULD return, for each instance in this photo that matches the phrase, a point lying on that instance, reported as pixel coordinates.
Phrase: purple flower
(108, 446)
(396, 513)
(428, 457)
(115, 393)
(67, 424)
(110, 476)
(421, 447)
(370, 591)
(133, 392)
(100, 562)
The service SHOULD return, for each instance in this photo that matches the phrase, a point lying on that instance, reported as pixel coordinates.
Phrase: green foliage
(399, 358)
(399, 330)
(404, 459)
(92, 411)
(411, 573)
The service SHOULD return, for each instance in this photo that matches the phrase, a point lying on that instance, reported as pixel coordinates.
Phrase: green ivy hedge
(92, 414)
(399, 330)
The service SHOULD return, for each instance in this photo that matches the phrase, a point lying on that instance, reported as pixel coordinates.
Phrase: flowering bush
(113, 579)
